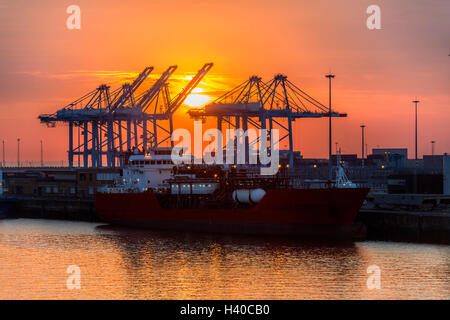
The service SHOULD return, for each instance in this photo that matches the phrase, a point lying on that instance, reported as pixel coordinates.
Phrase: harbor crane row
(103, 116)
(276, 103)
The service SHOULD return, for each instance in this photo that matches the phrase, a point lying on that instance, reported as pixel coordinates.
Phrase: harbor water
(38, 259)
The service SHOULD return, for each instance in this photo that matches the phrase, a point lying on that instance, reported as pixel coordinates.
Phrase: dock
(391, 225)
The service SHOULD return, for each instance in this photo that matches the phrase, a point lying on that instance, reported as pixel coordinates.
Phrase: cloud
(103, 74)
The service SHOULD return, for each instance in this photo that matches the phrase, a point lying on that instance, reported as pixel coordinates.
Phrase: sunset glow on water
(136, 264)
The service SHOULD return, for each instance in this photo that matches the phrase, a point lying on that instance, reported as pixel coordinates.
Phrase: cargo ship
(154, 193)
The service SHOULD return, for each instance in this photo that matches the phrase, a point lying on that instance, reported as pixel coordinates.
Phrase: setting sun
(197, 99)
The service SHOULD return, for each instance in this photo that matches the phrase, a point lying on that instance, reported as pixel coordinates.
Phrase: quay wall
(406, 225)
(55, 208)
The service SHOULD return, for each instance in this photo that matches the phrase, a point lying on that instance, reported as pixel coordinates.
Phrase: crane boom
(129, 89)
(146, 99)
(179, 99)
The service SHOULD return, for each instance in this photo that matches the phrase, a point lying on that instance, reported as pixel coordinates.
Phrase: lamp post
(415, 165)
(42, 155)
(362, 145)
(3, 155)
(330, 165)
(18, 152)
(415, 104)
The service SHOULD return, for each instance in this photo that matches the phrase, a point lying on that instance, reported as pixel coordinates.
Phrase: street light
(18, 152)
(362, 144)
(330, 165)
(415, 103)
(3, 155)
(42, 155)
(415, 165)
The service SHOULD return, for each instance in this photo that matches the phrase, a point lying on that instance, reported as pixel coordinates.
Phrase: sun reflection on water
(141, 264)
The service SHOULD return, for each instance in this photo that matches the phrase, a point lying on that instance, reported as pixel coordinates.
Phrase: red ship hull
(323, 213)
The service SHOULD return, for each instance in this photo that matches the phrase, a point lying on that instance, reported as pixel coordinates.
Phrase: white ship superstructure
(145, 172)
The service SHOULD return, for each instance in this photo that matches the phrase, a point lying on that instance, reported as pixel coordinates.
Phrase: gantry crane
(100, 116)
(265, 105)
(92, 113)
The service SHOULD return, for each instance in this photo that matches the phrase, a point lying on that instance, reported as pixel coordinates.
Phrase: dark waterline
(118, 263)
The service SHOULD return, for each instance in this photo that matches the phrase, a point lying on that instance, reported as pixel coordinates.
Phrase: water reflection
(141, 264)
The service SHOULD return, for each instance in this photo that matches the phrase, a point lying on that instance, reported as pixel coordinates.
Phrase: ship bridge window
(163, 152)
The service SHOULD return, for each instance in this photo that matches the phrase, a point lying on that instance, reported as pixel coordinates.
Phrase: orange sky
(44, 66)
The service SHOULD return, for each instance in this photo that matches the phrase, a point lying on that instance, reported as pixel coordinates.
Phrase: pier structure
(110, 124)
(274, 104)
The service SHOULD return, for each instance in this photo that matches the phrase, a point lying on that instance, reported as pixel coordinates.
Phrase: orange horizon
(44, 66)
